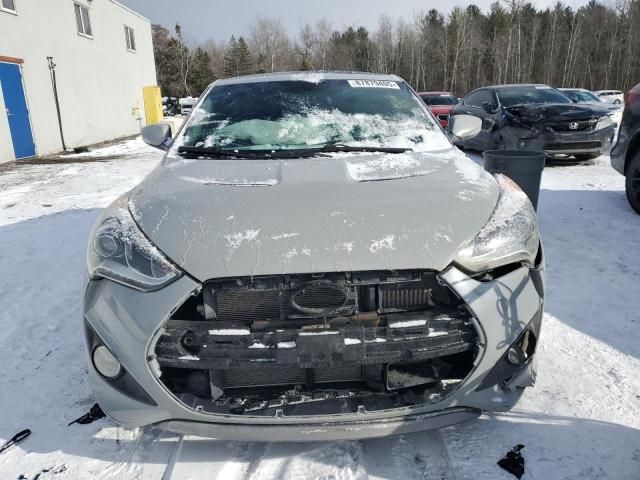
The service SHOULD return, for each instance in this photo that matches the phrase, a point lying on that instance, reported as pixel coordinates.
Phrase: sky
(218, 19)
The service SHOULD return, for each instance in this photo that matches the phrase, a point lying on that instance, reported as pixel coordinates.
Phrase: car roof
(574, 90)
(308, 76)
(516, 85)
(436, 93)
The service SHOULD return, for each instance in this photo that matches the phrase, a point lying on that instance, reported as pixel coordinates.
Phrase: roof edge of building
(130, 10)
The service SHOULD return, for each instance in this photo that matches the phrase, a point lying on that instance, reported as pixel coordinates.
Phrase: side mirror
(157, 135)
(489, 107)
(464, 127)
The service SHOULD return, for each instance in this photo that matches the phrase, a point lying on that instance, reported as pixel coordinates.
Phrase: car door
(473, 104)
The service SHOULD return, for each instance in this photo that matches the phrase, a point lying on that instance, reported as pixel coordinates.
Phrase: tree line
(596, 46)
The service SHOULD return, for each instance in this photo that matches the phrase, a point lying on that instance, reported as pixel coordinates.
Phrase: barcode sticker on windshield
(374, 84)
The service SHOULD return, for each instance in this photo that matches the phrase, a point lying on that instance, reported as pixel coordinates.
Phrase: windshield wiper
(218, 152)
(341, 147)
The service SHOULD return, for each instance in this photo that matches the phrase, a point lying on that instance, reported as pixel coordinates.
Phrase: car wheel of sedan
(633, 183)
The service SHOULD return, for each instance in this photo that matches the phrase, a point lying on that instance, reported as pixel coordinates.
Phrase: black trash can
(523, 167)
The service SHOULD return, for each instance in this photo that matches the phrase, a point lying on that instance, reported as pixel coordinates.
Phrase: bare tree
(269, 40)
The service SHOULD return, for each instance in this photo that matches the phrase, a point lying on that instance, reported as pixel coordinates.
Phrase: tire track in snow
(417, 456)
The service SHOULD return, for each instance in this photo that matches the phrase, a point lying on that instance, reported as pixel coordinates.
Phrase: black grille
(575, 126)
(318, 298)
(247, 305)
(303, 297)
(564, 146)
(405, 297)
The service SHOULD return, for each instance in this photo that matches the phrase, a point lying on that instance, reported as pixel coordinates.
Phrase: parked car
(625, 155)
(313, 259)
(586, 97)
(614, 97)
(440, 104)
(187, 104)
(170, 106)
(536, 117)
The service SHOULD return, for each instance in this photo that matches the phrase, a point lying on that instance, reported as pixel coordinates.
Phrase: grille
(581, 126)
(319, 298)
(405, 298)
(572, 146)
(248, 305)
(301, 298)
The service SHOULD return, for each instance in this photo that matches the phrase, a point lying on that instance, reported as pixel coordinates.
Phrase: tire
(632, 183)
(586, 156)
(617, 102)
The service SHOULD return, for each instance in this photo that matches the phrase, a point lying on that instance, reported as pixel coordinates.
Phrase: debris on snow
(513, 461)
(94, 414)
(17, 438)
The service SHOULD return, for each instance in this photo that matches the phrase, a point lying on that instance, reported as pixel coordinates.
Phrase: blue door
(17, 112)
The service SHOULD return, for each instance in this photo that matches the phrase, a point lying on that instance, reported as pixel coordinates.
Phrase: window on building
(9, 5)
(130, 38)
(82, 20)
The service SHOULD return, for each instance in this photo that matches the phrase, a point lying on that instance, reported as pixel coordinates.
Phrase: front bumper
(597, 142)
(127, 321)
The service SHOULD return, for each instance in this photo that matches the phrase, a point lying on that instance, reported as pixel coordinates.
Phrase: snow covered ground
(581, 421)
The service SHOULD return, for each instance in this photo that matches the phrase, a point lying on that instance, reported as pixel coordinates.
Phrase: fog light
(516, 355)
(106, 364)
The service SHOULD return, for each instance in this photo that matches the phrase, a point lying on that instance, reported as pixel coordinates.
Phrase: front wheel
(632, 184)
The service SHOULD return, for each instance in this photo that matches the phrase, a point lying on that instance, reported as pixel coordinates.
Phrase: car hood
(224, 218)
(557, 112)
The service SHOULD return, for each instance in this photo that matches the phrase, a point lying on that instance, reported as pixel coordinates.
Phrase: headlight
(119, 251)
(510, 235)
(604, 122)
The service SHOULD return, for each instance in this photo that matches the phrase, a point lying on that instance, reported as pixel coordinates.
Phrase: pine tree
(231, 58)
(201, 72)
(243, 58)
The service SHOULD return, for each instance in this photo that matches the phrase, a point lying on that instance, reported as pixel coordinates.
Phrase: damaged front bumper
(557, 143)
(358, 376)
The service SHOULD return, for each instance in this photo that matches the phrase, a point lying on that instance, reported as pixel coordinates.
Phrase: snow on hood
(340, 213)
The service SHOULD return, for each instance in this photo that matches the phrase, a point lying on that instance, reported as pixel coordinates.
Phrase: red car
(440, 104)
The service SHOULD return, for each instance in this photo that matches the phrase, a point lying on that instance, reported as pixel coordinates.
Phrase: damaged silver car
(313, 259)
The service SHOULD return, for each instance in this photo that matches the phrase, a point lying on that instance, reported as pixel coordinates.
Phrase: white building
(103, 57)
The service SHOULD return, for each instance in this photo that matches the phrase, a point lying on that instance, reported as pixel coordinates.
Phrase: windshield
(510, 96)
(303, 114)
(439, 99)
(579, 96)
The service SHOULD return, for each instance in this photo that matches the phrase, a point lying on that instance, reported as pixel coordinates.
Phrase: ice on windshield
(303, 113)
(318, 127)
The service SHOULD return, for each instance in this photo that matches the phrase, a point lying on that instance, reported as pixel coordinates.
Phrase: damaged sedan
(313, 259)
(537, 117)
